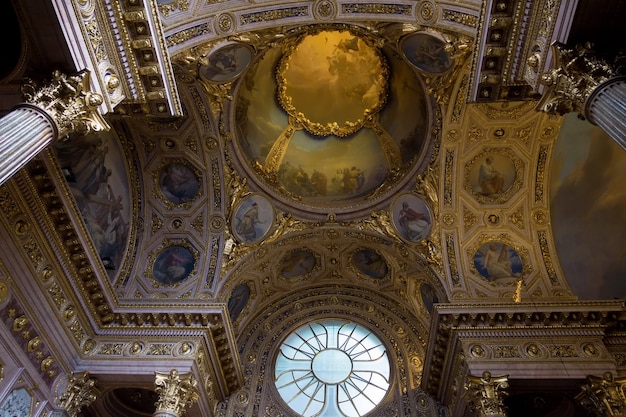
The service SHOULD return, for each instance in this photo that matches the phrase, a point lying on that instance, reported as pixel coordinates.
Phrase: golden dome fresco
(332, 120)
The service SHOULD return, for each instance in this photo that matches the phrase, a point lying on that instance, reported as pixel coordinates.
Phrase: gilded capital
(68, 99)
(79, 392)
(176, 392)
(486, 394)
(603, 396)
(576, 74)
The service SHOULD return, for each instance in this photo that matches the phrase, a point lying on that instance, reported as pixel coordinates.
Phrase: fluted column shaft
(63, 106)
(165, 413)
(23, 134)
(606, 108)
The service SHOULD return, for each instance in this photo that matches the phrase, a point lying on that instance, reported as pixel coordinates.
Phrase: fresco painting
(336, 177)
(178, 183)
(429, 297)
(253, 218)
(297, 263)
(371, 263)
(427, 52)
(173, 265)
(587, 201)
(326, 164)
(94, 168)
(411, 217)
(492, 175)
(238, 301)
(227, 62)
(497, 261)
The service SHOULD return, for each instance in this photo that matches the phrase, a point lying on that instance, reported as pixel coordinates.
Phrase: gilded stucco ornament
(603, 396)
(79, 392)
(576, 75)
(486, 394)
(4, 291)
(439, 86)
(69, 101)
(165, 8)
(176, 392)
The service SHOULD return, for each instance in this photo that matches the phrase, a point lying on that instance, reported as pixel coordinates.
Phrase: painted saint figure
(245, 228)
(497, 262)
(491, 180)
(413, 223)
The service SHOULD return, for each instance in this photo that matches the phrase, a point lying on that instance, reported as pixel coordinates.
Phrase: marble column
(79, 392)
(604, 396)
(583, 83)
(485, 394)
(176, 393)
(606, 107)
(65, 105)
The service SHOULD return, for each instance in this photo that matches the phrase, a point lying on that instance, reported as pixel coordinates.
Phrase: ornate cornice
(513, 46)
(123, 43)
(100, 332)
(574, 330)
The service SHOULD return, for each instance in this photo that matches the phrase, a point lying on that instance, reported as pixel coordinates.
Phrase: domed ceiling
(331, 120)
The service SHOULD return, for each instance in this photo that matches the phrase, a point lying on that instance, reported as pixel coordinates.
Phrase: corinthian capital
(576, 74)
(79, 392)
(604, 396)
(486, 394)
(176, 392)
(69, 101)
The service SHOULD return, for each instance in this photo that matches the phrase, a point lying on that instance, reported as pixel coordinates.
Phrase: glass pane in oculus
(332, 368)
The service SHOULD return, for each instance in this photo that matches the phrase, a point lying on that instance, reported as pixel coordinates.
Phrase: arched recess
(259, 341)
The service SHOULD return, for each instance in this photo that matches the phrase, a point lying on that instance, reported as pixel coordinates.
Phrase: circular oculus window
(332, 368)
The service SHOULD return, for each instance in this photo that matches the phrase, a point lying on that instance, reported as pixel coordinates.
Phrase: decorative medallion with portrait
(173, 265)
(178, 182)
(226, 62)
(494, 175)
(427, 52)
(497, 261)
(252, 219)
(411, 217)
